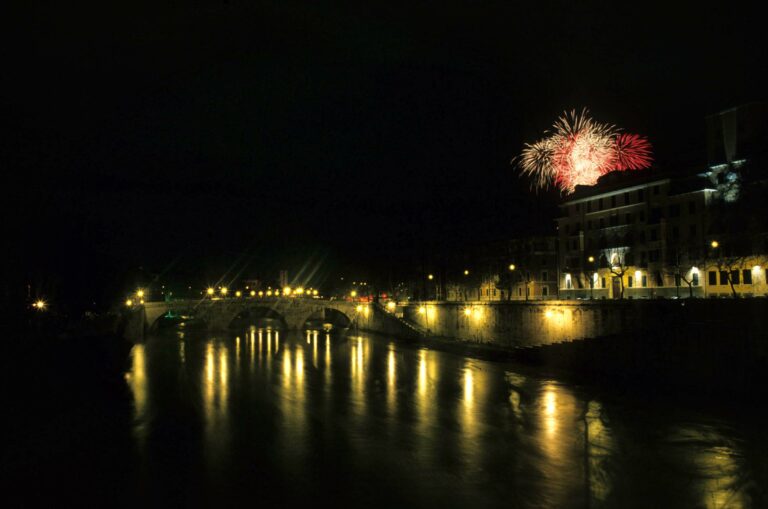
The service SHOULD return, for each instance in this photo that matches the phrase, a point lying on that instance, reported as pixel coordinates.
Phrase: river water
(303, 418)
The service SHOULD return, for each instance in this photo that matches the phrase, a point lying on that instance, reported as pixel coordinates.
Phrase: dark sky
(185, 138)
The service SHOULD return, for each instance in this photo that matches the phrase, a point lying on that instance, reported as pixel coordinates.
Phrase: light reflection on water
(430, 426)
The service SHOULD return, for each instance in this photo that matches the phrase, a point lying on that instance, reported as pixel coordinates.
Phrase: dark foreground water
(266, 418)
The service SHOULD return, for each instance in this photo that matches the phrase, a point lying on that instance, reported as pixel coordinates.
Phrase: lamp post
(512, 268)
(591, 260)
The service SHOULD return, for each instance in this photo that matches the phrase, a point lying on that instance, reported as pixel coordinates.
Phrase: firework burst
(580, 150)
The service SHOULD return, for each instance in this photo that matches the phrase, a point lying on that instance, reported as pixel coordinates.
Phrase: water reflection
(466, 432)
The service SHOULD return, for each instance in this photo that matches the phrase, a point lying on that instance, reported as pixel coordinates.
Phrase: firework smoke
(579, 151)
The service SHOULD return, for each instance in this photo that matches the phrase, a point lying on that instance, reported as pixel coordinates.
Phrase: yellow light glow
(714, 244)
(129, 303)
(223, 290)
(140, 293)
(269, 293)
(466, 272)
(511, 266)
(210, 291)
(431, 277)
(391, 306)
(478, 313)
(756, 268)
(694, 270)
(638, 275)
(467, 311)
(238, 293)
(422, 310)
(353, 293)
(314, 292)
(277, 292)
(141, 301)
(287, 290)
(253, 293)
(261, 293)
(40, 305)
(548, 313)
(359, 308)
(299, 290)
(591, 259)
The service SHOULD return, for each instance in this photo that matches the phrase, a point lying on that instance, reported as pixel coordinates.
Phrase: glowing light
(238, 293)
(223, 290)
(391, 306)
(579, 151)
(261, 293)
(466, 272)
(269, 293)
(39, 305)
(353, 294)
(210, 291)
(431, 277)
(140, 293)
(638, 275)
(756, 268)
(129, 303)
(694, 270)
(511, 266)
(299, 290)
(467, 311)
(478, 313)
(548, 313)
(422, 310)
(314, 292)
(591, 259)
(141, 301)
(359, 308)
(253, 293)
(715, 244)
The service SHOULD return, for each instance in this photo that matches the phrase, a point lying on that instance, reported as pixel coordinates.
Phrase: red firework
(632, 152)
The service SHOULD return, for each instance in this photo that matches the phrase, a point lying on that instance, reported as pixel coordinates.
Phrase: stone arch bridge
(218, 314)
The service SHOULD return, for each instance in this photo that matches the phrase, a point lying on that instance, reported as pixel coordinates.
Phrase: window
(675, 232)
(653, 256)
(712, 278)
(723, 277)
(567, 229)
(578, 226)
(589, 206)
(578, 207)
(614, 220)
(487, 292)
(613, 201)
(629, 281)
(545, 291)
(674, 210)
(589, 224)
(746, 276)
(602, 283)
(629, 219)
(692, 230)
(567, 285)
(691, 207)
(520, 290)
(602, 223)
(645, 280)
(654, 234)
(655, 189)
(695, 279)
(626, 198)
(600, 204)
(544, 275)
(494, 292)
(642, 215)
(640, 195)
(735, 277)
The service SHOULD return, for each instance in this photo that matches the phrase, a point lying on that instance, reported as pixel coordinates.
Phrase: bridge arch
(259, 316)
(326, 317)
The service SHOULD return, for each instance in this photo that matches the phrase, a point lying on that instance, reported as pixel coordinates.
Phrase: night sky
(148, 139)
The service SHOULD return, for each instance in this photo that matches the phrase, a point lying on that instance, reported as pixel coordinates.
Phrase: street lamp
(39, 305)
(223, 290)
(430, 277)
(591, 260)
(238, 293)
(715, 244)
(140, 294)
(210, 291)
